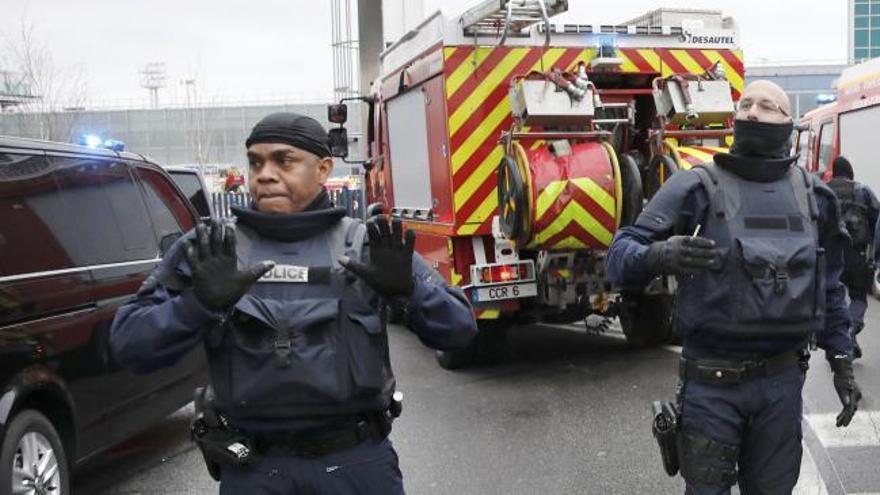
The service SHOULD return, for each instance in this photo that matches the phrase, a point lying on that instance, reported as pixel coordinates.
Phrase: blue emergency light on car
(115, 145)
(91, 140)
(94, 141)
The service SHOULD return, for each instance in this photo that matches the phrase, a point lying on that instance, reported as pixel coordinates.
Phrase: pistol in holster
(665, 426)
(221, 444)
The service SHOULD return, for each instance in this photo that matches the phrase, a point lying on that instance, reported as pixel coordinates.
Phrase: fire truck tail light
(505, 273)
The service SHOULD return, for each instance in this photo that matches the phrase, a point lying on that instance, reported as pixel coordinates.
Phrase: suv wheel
(32, 459)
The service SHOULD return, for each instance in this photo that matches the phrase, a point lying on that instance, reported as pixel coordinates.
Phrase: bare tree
(59, 93)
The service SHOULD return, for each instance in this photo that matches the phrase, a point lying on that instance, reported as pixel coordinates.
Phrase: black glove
(389, 272)
(845, 385)
(216, 279)
(679, 255)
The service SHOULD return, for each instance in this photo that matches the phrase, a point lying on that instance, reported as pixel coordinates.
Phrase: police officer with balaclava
(757, 281)
(860, 209)
(288, 303)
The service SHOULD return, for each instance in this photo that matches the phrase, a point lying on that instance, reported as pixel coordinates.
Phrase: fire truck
(516, 148)
(845, 127)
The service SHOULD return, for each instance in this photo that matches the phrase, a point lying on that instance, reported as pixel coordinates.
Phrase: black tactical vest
(768, 278)
(304, 341)
(853, 210)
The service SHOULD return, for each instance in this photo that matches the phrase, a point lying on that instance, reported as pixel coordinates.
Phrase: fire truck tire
(633, 196)
(395, 315)
(456, 359)
(488, 347)
(646, 319)
(491, 342)
(512, 199)
(660, 168)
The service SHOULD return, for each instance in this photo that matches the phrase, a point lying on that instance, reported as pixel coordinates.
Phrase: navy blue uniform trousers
(762, 417)
(367, 468)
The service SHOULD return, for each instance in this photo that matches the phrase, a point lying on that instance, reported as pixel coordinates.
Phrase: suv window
(34, 233)
(191, 186)
(168, 211)
(107, 208)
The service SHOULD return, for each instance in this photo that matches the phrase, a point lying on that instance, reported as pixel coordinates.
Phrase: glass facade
(866, 29)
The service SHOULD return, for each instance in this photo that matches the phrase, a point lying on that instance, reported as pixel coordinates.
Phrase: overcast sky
(259, 49)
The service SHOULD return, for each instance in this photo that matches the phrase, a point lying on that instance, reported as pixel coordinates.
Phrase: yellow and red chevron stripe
(574, 198)
(690, 156)
(477, 81)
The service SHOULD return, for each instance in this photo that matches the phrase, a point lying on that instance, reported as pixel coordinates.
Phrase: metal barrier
(224, 201)
(350, 199)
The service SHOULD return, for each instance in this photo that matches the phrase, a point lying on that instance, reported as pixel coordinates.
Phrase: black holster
(665, 428)
(220, 444)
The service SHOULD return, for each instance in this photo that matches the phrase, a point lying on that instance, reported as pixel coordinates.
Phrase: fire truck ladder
(509, 17)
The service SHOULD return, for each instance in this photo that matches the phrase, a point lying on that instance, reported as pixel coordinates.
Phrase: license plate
(502, 292)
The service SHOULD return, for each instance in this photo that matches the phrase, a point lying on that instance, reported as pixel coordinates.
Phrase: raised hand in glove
(845, 385)
(679, 255)
(389, 271)
(216, 279)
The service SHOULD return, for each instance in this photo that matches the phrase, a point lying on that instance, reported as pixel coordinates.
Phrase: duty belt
(315, 444)
(712, 371)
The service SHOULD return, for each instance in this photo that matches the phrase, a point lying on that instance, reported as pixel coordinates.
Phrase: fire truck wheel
(646, 319)
(395, 315)
(632, 189)
(457, 359)
(488, 347)
(660, 168)
(491, 341)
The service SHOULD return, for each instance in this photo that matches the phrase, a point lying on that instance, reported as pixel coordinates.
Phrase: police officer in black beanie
(860, 210)
(757, 281)
(288, 303)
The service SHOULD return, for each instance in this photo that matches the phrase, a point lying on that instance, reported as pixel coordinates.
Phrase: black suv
(80, 229)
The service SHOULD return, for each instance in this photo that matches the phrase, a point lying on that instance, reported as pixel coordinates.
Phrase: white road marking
(810, 482)
(672, 348)
(863, 431)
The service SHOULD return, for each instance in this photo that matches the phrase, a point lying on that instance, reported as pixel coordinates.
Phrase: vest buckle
(780, 277)
(282, 352)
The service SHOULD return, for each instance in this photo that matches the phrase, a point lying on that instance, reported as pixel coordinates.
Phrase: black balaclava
(306, 134)
(761, 151)
(841, 167)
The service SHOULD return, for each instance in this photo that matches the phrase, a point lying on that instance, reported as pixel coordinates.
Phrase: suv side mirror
(337, 113)
(338, 140)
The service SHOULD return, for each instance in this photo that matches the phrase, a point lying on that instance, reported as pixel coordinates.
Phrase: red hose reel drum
(560, 196)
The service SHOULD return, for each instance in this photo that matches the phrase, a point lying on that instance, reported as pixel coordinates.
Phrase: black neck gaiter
(753, 139)
(317, 217)
(761, 151)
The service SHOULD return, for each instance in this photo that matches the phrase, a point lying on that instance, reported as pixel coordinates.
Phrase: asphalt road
(567, 413)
